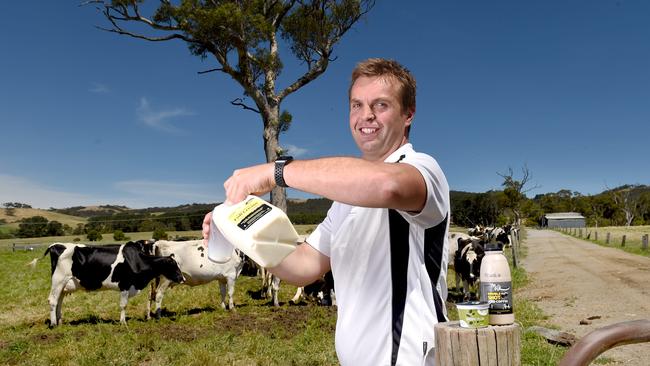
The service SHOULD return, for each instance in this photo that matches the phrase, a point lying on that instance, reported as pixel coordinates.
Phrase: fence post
(596, 235)
(644, 242)
(607, 239)
(13, 247)
(580, 233)
(623, 241)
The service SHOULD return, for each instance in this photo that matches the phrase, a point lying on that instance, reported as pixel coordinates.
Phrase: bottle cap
(493, 247)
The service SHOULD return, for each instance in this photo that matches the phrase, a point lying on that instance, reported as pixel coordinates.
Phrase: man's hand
(206, 228)
(256, 180)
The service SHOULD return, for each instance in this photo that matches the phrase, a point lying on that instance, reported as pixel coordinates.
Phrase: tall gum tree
(243, 37)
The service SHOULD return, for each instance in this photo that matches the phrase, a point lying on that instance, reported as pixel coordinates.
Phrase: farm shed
(564, 219)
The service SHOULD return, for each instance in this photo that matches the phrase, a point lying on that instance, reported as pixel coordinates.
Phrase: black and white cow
(466, 254)
(125, 268)
(192, 258)
(500, 235)
(321, 291)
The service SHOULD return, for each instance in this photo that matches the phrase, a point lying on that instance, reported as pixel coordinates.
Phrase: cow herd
(130, 268)
(466, 252)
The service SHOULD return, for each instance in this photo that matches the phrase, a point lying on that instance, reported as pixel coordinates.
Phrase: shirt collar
(396, 155)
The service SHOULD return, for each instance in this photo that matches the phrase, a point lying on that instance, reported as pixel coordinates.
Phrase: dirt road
(572, 279)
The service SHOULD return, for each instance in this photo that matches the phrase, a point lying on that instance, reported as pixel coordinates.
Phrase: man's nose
(368, 113)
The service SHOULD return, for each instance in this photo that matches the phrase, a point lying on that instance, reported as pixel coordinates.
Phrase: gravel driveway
(572, 279)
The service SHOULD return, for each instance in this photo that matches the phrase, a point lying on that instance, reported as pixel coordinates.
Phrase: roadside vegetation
(598, 235)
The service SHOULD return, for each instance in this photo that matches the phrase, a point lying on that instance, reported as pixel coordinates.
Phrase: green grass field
(193, 330)
(632, 234)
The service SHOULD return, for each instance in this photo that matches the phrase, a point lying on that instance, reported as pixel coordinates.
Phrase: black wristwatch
(279, 170)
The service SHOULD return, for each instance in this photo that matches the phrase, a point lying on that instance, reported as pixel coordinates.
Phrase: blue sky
(89, 117)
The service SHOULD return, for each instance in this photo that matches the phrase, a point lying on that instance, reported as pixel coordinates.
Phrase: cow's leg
(222, 290)
(466, 293)
(231, 293)
(160, 293)
(55, 299)
(124, 299)
(298, 295)
(275, 284)
(152, 296)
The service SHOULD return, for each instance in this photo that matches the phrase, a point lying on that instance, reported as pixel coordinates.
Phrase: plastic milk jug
(257, 228)
(496, 285)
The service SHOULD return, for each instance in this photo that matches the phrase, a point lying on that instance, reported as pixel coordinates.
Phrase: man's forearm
(359, 182)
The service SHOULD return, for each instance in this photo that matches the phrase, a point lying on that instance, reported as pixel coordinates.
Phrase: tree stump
(495, 345)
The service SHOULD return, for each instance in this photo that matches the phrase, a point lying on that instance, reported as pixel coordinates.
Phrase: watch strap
(280, 163)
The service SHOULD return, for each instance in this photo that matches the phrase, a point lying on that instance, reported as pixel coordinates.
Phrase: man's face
(377, 121)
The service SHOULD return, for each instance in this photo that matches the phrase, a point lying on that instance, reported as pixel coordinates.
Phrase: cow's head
(144, 246)
(171, 270)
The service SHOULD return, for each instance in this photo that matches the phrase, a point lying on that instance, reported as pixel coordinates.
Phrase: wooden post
(607, 239)
(644, 242)
(13, 247)
(580, 233)
(596, 235)
(493, 345)
(514, 255)
(623, 241)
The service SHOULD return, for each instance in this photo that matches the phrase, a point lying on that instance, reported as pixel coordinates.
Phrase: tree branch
(239, 102)
(210, 70)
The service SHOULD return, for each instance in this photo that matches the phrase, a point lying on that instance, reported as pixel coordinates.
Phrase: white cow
(192, 258)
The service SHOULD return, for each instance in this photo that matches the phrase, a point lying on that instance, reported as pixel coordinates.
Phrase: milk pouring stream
(257, 228)
(496, 285)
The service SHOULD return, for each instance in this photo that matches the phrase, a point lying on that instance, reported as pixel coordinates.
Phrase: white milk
(257, 228)
(496, 285)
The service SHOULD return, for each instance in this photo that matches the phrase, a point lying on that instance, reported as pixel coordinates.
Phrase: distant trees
(15, 205)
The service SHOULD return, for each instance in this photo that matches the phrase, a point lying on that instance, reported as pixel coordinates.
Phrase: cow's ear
(171, 256)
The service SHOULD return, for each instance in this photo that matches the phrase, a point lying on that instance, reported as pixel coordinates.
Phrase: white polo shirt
(390, 272)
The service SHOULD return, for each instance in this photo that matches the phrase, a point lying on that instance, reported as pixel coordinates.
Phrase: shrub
(159, 234)
(94, 235)
(118, 235)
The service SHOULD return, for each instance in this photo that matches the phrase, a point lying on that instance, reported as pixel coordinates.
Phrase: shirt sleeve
(321, 238)
(436, 208)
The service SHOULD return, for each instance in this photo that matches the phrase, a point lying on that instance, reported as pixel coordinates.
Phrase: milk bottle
(496, 285)
(257, 228)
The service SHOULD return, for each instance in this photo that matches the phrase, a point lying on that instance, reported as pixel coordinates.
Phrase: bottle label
(498, 295)
(251, 211)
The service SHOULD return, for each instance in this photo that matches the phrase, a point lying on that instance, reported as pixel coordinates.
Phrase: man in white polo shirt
(385, 236)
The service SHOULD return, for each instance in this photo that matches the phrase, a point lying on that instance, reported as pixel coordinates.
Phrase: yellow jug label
(251, 211)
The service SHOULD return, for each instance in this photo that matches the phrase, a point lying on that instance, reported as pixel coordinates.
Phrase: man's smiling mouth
(368, 130)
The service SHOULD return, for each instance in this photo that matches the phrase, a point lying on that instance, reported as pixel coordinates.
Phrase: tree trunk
(272, 150)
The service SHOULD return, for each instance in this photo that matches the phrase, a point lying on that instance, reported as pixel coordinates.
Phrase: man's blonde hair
(392, 71)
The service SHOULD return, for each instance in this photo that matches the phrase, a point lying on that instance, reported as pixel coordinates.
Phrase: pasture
(193, 329)
(632, 234)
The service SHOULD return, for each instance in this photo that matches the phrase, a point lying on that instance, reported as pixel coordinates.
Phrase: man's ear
(409, 116)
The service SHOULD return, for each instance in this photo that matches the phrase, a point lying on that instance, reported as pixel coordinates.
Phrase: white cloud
(99, 88)
(18, 189)
(160, 119)
(166, 192)
(295, 151)
(133, 194)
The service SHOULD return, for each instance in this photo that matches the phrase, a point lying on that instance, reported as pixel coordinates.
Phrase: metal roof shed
(564, 219)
